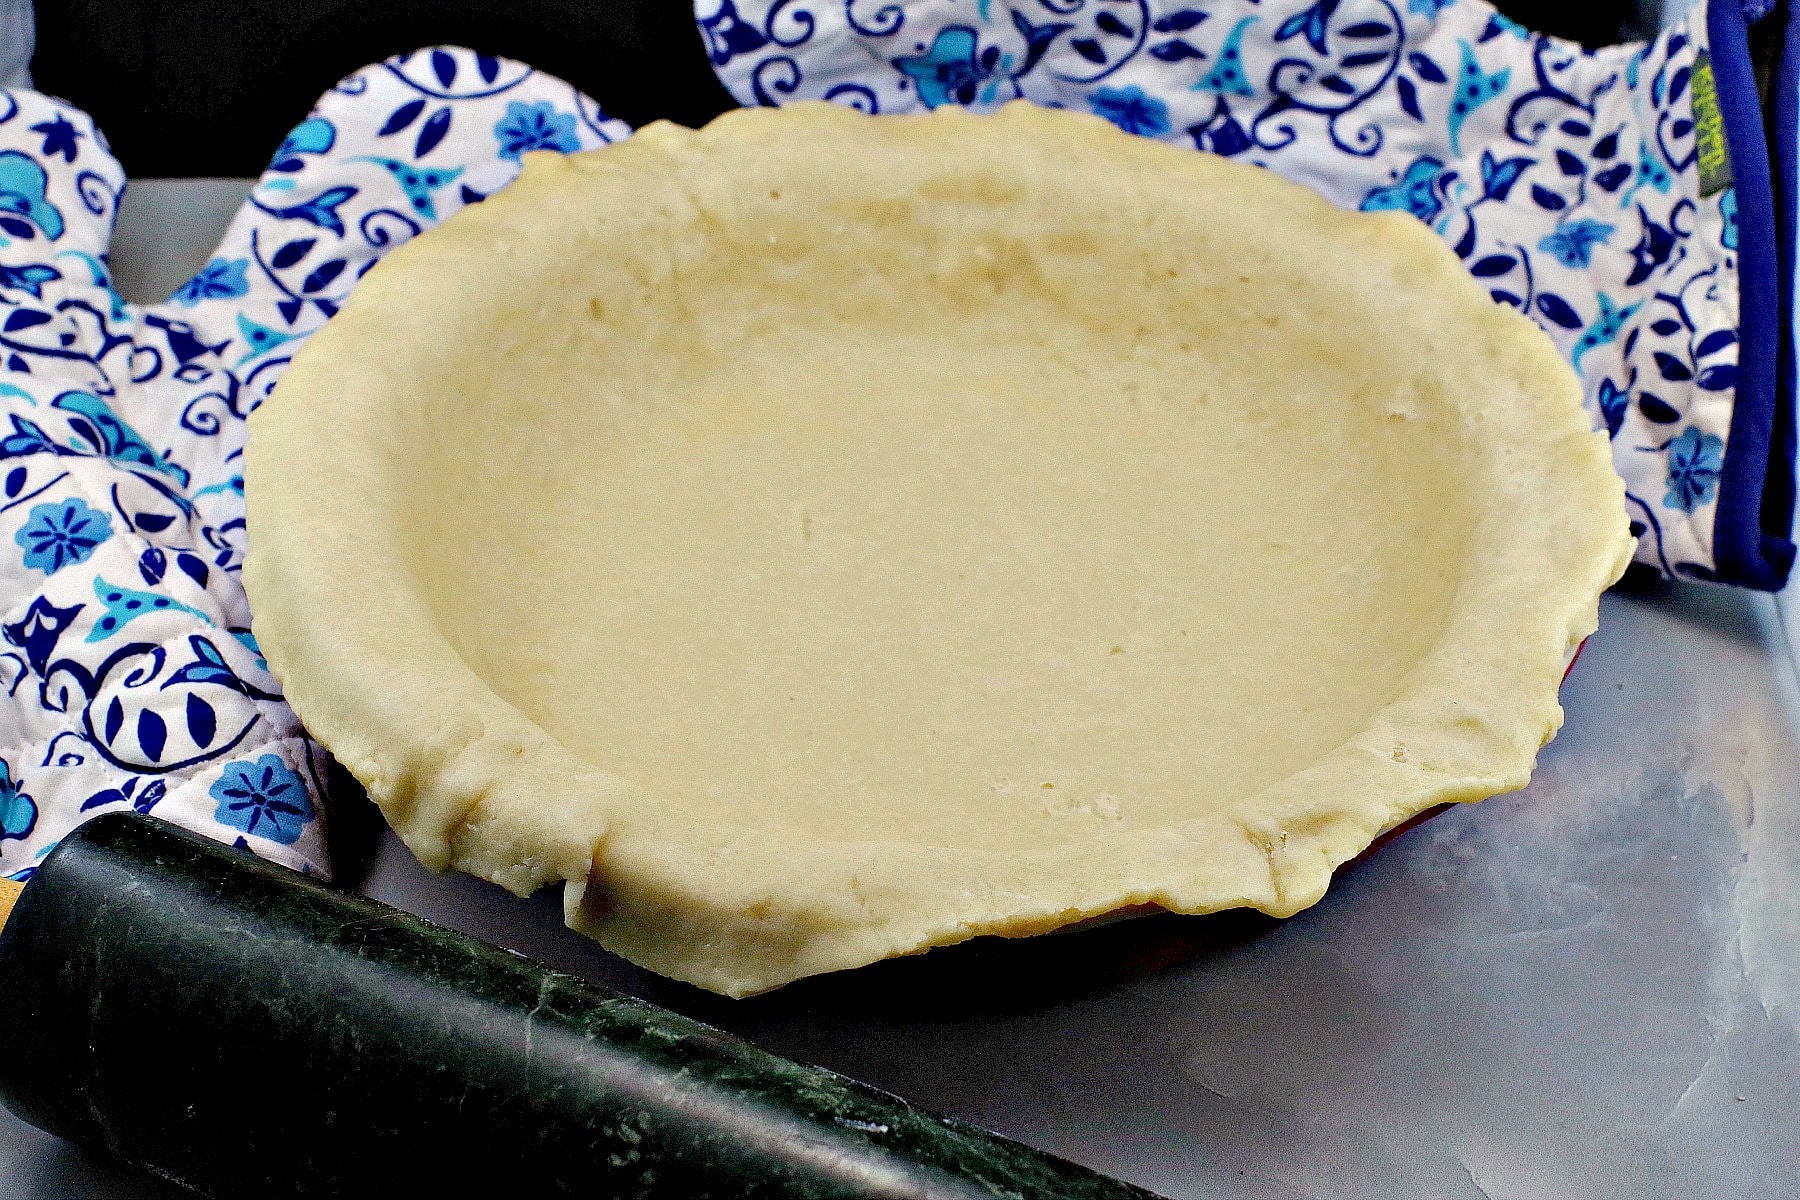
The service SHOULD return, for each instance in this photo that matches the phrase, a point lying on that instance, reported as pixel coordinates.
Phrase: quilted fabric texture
(132, 674)
(1593, 191)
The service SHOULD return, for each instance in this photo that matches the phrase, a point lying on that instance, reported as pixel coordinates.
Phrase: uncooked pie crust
(819, 537)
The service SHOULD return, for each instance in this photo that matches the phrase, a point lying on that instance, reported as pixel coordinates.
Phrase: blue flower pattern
(1415, 192)
(1695, 460)
(1131, 110)
(948, 72)
(535, 127)
(60, 534)
(220, 279)
(1564, 179)
(265, 799)
(1573, 244)
(127, 659)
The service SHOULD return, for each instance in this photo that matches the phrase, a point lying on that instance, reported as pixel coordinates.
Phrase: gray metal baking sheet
(1585, 989)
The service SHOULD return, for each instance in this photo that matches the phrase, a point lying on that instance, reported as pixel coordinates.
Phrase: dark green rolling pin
(244, 1031)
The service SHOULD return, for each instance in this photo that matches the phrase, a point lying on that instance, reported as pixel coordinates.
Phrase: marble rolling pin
(244, 1031)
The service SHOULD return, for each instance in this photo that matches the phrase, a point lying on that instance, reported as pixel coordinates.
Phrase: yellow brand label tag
(1709, 128)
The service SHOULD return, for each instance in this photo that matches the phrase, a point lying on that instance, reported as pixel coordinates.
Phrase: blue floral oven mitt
(128, 655)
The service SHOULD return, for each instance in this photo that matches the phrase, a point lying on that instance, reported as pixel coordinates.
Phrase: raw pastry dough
(820, 537)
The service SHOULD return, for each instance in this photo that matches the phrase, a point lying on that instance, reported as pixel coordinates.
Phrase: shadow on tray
(993, 976)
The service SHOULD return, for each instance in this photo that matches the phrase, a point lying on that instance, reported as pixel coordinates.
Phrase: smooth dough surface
(820, 537)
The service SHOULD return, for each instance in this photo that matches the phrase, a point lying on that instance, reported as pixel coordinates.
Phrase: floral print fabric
(130, 671)
(1581, 188)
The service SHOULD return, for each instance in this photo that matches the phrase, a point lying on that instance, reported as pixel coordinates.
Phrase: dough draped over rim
(818, 538)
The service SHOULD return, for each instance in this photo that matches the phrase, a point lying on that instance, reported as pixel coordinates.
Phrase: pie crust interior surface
(819, 537)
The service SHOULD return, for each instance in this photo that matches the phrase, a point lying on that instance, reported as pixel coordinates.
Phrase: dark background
(208, 87)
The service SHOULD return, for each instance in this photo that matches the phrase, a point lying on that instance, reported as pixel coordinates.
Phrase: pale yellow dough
(819, 537)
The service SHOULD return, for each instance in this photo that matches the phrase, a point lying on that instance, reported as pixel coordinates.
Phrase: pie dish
(820, 537)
